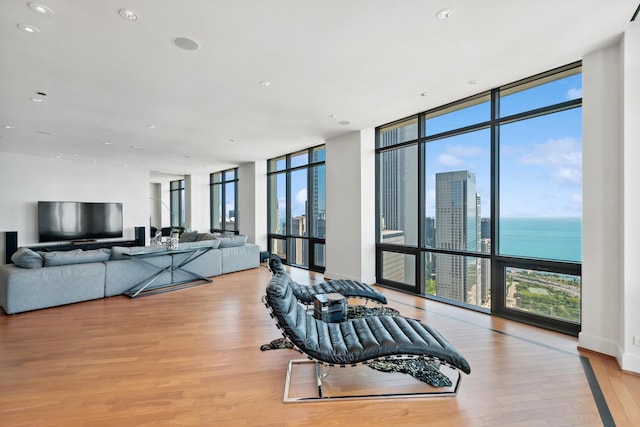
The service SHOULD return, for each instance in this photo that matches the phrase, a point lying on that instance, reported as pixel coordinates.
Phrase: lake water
(549, 238)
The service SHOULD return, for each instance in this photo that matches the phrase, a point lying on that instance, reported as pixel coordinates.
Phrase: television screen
(59, 221)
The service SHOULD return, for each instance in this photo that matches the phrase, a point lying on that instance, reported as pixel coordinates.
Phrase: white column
(252, 202)
(350, 180)
(630, 359)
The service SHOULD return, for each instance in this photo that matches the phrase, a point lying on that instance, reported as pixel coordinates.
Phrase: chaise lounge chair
(347, 288)
(354, 341)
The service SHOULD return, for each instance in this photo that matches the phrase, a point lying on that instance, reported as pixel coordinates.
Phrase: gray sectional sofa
(38, 280)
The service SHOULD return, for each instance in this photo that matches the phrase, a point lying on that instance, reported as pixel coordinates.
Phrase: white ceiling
(366, 62)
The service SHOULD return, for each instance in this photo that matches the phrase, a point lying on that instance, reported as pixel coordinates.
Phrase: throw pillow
(76, 256)
(26, 258)
(188, 236)
(204, 236)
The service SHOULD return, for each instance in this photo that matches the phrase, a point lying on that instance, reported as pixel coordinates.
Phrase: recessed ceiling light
(472, 82)
(37, 100)
(41, 9)
(424, 94)
(58, 157)
(332, 116)
(152, 126)
(133, 147)
(186, 43)
(444, 14)
(8, 126)
(127, 14)
(106, 143)
(29, 29)
(265, 83)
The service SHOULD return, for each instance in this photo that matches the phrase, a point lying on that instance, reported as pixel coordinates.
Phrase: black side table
(330, 307)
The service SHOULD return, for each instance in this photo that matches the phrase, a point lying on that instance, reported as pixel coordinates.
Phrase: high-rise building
(457, 228)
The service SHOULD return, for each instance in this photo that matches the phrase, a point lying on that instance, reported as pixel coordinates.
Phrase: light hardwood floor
(192, 358)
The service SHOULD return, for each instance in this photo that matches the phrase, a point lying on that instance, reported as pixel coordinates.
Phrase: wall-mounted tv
(60, 221)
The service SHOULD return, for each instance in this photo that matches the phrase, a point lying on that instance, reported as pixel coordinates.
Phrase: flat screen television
(60, 221)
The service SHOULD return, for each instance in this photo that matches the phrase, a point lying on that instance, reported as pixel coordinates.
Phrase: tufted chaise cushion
(356, 340)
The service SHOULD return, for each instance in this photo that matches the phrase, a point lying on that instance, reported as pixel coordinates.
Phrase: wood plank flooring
(192, 358)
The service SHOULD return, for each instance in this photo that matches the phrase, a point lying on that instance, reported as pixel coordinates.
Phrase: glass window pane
(459, 116)
(541, 187)
(279, 247)
(459, 278)
(398, 190)
(457, 191)
(278, 203)
(318, 201)
(299, 159)
(299, 206)
(543, 293)
(541, 93)
(216, 209)
(318, 249)
(230, 175)
(278, 164)
(399, 267)
(299, 251)
(318, 154)
(230, 207)
(398, 133)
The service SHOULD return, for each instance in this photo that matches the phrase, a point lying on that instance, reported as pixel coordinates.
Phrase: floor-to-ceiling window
(224, 201)
(479, 201)
(297, 209)
(176, 194)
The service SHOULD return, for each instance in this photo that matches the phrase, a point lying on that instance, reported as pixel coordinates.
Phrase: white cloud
(568, 176)
(464, 151)
(448, 160)
(555, 152)
(301, 196)
(574, 93)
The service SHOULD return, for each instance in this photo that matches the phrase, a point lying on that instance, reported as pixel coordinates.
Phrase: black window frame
(286, 237)
(222, 182)
(499, 263)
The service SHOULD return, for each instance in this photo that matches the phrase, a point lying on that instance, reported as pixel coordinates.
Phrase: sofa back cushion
(26, 258)
(76, 256)
(233, 241)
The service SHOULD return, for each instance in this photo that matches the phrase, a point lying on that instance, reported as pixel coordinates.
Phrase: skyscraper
(457, 228)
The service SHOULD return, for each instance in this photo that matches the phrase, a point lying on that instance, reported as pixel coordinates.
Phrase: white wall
(350, 181)
(28, 179)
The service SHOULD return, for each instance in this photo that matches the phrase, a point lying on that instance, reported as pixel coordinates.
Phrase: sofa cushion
(26, 258)
(188, 236)
(232, 241)
(76, 256)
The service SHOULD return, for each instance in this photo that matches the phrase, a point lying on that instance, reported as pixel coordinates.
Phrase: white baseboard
(630, 362)
(598, 344)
